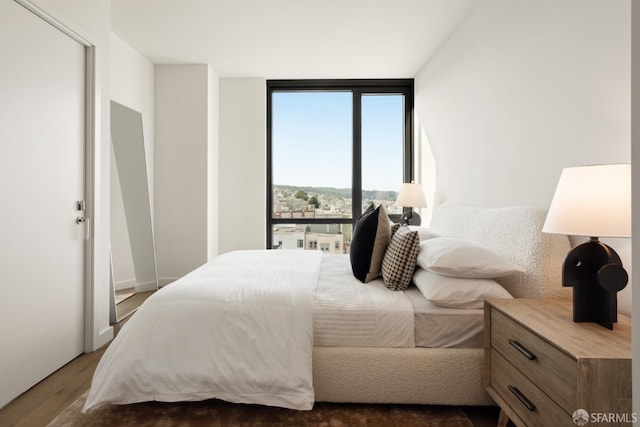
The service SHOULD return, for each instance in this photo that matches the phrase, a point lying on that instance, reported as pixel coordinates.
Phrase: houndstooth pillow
(400, 259)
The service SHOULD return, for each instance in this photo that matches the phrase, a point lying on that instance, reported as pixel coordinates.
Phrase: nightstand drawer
(553, 371)
(530, 403)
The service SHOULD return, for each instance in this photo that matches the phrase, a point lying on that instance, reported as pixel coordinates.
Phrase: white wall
(181, 143)
(635, 173)
(213, 166)
(92, 20)
(521, 90)
(242, 168)
(131, 86)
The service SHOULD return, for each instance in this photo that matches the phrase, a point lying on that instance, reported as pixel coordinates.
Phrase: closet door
(42, 149)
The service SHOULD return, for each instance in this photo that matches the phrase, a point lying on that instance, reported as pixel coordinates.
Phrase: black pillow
(369, 243)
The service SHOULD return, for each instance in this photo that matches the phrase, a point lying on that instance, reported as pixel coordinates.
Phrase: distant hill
(340, 192)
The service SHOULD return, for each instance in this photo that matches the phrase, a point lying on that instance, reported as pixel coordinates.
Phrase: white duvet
(239, 328)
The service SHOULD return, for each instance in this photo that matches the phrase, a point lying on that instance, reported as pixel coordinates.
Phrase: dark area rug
(219, 413)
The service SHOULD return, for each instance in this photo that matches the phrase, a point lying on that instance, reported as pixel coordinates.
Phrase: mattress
(444, 327)
(349, 313)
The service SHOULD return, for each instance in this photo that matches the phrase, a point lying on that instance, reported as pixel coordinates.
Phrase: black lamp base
(595, 272)
(409, 217)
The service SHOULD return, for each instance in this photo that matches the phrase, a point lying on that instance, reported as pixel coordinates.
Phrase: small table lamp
(593, 201)
(411, 195)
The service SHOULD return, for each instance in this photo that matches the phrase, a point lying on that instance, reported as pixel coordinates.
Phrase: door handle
(81, 220)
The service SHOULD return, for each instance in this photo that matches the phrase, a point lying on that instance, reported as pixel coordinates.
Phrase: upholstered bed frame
(447, 376)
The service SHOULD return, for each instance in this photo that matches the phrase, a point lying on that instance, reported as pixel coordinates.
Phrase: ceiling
(279, 39)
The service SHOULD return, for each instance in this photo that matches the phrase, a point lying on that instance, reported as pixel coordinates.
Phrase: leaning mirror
(133, 257)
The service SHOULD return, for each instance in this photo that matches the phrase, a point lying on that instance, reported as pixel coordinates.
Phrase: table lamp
(593, 201)
(411, 195)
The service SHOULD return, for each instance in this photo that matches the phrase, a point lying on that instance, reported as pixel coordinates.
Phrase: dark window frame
(358, 87)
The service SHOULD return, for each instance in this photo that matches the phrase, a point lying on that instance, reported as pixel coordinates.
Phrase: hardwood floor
(129, 305)
(123, 294)
(45, 400)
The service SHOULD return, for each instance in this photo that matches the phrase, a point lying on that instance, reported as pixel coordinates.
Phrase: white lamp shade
(592, 201)
(412, 196)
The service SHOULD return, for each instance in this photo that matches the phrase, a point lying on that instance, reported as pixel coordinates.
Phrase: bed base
(433, 376)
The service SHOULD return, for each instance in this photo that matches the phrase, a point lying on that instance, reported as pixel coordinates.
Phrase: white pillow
(458, 258)
(456, 292)
(423, 232)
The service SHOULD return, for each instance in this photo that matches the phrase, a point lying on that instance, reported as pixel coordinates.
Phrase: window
(382, 149)
(333, 148)
(300, 243)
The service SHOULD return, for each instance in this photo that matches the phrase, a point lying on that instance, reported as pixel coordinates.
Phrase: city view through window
(312, 164)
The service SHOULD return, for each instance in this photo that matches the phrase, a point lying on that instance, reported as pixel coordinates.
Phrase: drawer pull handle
(522, 349)
(522, 398)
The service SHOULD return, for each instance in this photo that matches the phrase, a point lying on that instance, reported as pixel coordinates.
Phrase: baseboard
(144, 287)
(103, 337)
(125, 284)
(164, 281)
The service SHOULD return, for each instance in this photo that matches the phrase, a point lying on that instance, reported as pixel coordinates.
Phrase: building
(289, 236)
(327, 238)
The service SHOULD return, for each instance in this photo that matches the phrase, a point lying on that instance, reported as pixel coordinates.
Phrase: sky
(312, 142)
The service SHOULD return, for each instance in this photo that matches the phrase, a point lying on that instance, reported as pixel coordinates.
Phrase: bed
(290, 338)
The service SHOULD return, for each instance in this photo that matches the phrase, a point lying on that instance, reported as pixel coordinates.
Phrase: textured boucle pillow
(458, 258)
(369, 243)
(514, 232)
(400, 259)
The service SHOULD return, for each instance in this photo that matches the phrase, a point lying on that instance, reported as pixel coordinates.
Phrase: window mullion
(356, 187)
(408, 152)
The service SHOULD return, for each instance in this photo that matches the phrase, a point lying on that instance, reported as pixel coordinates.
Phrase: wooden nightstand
(540, 366)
